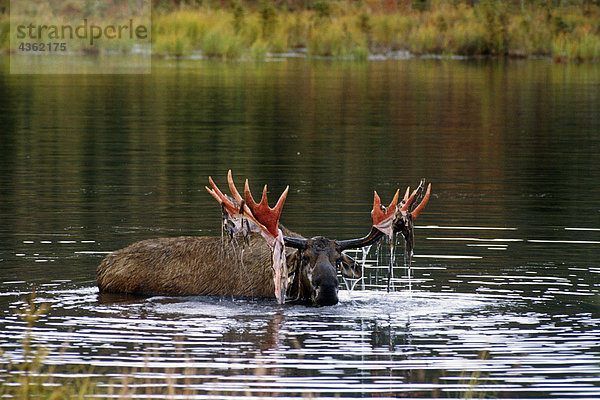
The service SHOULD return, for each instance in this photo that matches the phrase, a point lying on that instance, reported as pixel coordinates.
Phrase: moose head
(309, 273)
(316, 259)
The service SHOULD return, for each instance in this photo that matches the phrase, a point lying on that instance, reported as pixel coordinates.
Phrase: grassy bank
(350, 29)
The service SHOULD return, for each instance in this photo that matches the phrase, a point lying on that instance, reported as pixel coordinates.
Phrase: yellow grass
(349, 29)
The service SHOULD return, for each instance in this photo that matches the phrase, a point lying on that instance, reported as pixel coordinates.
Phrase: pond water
(503, 299)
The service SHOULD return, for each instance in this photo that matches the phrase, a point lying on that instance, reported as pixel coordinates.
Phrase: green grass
(577, 45)
(346, 29)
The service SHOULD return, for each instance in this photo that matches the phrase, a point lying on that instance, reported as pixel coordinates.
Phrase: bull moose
(256, 256)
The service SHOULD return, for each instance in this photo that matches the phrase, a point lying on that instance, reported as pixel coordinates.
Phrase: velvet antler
(265, 220)
(393, 218)
(382, 218)
(225, 201)
(267, 216)
(415, 213)
(407, 201)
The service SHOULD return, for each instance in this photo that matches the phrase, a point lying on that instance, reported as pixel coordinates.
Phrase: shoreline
(289, 55)
(275, 57)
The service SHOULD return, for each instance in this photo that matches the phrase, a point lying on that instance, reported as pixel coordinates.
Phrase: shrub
(346, 29)
(222, 44)
(4, 32)
(258, 50)
(335, 40)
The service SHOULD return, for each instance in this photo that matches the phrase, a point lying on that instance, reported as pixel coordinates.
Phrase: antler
(382, 218)
(225, 201)
(268, 216)
(265, 220)
(415, 213)
(390, 219)
(408, 212)
(407, 201)
(264, 217)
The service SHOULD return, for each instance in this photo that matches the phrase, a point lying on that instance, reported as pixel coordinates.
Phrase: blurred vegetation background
(566, 30)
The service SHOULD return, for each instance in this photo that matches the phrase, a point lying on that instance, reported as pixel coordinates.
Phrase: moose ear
(292, 260)
(349, 267)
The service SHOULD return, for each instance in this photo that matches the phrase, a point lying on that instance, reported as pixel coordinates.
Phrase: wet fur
(186, 266)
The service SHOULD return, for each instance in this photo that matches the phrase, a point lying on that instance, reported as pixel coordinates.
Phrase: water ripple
(466, 328)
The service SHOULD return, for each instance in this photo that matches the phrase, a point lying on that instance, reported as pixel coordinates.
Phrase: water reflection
(504, 291)
(419, 343)
(334, 131)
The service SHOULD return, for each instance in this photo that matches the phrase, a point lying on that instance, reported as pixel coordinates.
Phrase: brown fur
(213, 266)
(184, 266)
(191, 266)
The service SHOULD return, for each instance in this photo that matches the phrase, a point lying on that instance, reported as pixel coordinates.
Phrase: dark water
(504, 296)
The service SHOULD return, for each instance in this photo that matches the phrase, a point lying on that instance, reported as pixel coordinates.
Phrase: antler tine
(408, 200)
(234, 191)
(248, 196)
(376, 202)
(379, 213)
(415, 213)
(405, 199)
(266, 215)
(220, 197)
(416, 194)
(279, 205)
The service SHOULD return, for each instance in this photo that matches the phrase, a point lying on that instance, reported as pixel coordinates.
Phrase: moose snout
(326, 295)
(325, 285)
